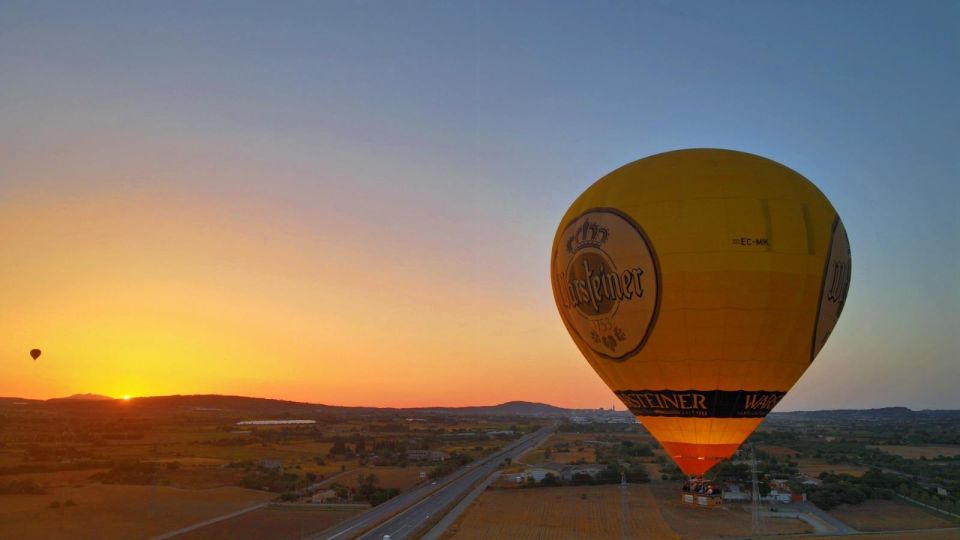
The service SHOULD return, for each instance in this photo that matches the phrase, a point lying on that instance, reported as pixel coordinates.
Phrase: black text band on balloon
(700, 403)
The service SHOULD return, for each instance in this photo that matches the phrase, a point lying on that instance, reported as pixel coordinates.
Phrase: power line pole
(757, 524)
(625, 532)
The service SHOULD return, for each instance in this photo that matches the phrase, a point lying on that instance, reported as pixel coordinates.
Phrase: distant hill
(510, 408)
(89, 397)
(275, 408)
(885, 414)
(260, 408)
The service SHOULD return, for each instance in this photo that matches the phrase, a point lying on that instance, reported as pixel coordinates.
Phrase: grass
(812, 467)
(881, 515)
(777, 451)
(916, 452)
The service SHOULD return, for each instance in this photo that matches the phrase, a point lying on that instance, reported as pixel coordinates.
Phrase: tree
(550, 480)
(339, 448)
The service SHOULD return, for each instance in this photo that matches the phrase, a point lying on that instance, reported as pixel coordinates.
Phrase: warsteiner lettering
(599, 285)
(761, 402)
(606, 272)
(700, 403)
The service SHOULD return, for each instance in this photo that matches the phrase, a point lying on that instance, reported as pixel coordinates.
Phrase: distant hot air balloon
(34, 353)
(700, 284)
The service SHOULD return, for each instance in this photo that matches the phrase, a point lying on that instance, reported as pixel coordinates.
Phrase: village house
(733, 493)
(562, 471)
(591, 470)
(324, 496)
(427, 455)
(270, 464)
(539, 472)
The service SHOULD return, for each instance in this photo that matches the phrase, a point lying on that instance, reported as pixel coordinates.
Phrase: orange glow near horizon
(158, 294)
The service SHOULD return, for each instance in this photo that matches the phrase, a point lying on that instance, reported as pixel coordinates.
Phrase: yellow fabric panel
(740, 245)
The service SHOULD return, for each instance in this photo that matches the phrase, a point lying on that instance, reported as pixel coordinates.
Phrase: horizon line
(103, 397)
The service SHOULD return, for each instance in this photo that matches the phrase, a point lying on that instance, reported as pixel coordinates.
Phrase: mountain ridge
(514, 407)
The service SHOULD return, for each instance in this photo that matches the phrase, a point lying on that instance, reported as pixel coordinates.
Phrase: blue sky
(453, 135)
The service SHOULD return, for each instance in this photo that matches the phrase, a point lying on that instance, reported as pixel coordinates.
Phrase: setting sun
(126, 398)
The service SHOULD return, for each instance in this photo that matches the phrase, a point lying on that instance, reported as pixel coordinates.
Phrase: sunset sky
(353, 203)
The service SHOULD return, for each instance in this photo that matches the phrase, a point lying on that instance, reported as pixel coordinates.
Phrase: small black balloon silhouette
(35, 353)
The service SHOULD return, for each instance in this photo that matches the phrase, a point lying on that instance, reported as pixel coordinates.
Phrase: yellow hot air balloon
(700, 284)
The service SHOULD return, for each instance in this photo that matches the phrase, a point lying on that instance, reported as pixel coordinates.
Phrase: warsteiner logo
(606, 281)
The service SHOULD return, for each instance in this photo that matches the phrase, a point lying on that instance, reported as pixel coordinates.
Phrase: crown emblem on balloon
(589, 234)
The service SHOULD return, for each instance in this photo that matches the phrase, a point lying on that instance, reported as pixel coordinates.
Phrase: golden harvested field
(202, 477)
(812, 467)
(114, 511)
(276, 523)
(402, 478)
(880, 515)
(561, 513)
(916, 452)
(59, 478)
(189, 461)
(10, 459)
(727, 520)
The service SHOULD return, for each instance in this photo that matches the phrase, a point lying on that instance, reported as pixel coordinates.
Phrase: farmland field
(916, 452)
(402, 478)
(53, 479)
(588, 455)
(276, 523)
(726, 520)
(777, 451)
(560, 513)
(115, 511)
(812, 467)
(881, 515)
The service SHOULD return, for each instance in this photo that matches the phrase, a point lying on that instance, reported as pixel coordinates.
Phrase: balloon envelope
(35, 353)
(700, 285)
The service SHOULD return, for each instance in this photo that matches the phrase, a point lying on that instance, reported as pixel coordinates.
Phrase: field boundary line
(211, 521)
(934, 508)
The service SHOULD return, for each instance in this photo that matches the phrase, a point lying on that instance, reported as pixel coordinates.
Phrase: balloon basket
(701, 493)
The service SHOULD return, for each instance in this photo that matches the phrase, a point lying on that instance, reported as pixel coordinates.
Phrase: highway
(401, 516)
